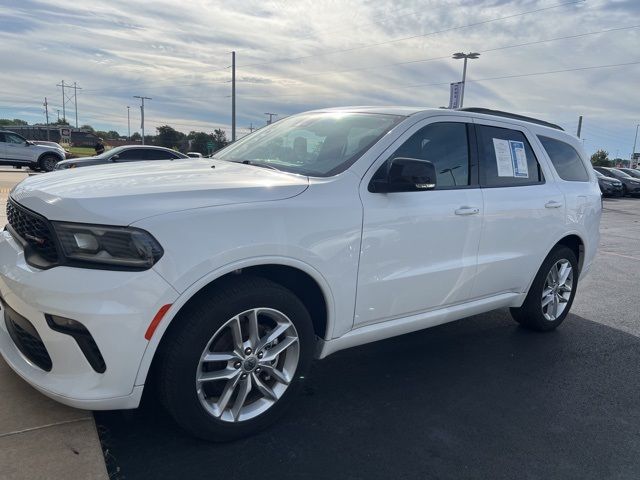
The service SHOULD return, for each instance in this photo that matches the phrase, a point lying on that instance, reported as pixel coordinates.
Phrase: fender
(548, 251)
(194, 288)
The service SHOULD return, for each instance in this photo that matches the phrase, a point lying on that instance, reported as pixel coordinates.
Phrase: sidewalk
(40, 438)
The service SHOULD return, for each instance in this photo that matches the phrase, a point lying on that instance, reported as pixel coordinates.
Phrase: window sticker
(503, 157)
(519, 157)
(511, 158)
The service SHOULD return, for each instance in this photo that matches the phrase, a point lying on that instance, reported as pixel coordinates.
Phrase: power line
(471, 81)
(402, 39)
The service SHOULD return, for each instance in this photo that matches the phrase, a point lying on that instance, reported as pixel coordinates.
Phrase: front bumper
(611, 190)
(115, 307)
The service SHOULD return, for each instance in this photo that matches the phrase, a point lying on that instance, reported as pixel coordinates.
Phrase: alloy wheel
(247, 365)
(557, 289)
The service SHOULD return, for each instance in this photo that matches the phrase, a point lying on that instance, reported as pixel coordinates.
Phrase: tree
(168, 136)
(136, 137)
(199, 141)
(87, 127)
(600, 159)
(62, 121)
(16, 121)
(219, 139)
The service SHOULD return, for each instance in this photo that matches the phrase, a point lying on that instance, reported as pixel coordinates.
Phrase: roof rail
(515, 116)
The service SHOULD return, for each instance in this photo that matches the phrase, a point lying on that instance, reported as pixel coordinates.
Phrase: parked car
(194, 155)
(632, 172)
(630, 185)
(18, 151)
(124, 154)
(323, 231)
(610, 187)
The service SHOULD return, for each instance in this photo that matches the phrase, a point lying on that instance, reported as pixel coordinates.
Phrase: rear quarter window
(565, 160)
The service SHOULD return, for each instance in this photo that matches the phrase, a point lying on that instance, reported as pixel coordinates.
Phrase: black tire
(530, 314)
(48, 162)
(189, 335)
(624, 191)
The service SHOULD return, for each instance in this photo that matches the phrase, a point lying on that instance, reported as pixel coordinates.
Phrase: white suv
(220, 279)
(18, 151)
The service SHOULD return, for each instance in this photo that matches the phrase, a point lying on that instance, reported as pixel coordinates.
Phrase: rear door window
(506, 158)
(565, 160)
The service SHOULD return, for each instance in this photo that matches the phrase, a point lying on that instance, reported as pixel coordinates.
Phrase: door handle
(552, 204)
(467, 211)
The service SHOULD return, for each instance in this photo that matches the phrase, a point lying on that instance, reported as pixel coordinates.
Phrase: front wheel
(235, 359)
(48, 163)
(552, 292)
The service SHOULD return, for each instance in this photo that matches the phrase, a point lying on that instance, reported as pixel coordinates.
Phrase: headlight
(101, 246)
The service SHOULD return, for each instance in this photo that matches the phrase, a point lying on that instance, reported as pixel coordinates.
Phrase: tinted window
(506, 158)
(2, 137)
(446, 146)
(133, 154)
(565, 160)
(156, 154)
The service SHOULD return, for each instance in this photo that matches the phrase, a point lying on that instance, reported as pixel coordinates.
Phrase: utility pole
(233, 96)
(579, 126)
(46, 113)
(64, 112)
(75, 100)
(251, 127)
(128, 124)
(271, 115)
(142, 99)
(634, 145)
(466, 56)
(58, 110)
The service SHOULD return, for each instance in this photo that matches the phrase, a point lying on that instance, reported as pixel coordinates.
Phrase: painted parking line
(620, 255)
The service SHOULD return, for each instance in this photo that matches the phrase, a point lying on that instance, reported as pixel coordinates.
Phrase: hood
(81, 162)
(124, 193)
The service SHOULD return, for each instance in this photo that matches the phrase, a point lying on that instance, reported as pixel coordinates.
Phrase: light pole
(634, 146)
(466, 56)
(142, 99)
(128, 125)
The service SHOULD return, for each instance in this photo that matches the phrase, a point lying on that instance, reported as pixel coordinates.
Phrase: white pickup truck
(18, 151)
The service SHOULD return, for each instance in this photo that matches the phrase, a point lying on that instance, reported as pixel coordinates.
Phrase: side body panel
(520, 225)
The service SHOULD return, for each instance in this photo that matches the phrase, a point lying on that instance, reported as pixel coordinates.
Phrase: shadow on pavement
(479, 398)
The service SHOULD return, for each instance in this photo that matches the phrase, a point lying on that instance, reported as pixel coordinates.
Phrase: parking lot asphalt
(478, 398)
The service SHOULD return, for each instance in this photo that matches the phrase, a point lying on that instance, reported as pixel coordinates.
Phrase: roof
(407, 111)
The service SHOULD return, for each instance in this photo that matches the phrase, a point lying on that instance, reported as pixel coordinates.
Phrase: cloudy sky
(555, 59)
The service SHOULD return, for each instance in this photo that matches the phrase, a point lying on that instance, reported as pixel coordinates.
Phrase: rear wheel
(552, 292)
(48, 162)
(236, 359)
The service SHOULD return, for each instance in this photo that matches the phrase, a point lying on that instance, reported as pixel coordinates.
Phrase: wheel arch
(44, 154)
(302, 279)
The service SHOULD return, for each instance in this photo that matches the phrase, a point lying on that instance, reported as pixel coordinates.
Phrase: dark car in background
(630, 185)
(610, 187)
(127, 153)
(631, 171)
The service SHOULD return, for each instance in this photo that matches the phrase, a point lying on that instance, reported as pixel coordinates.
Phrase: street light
(634, 146)
(128, 125)
(466, 56)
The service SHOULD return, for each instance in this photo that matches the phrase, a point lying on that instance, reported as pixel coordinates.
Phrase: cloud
(294, 56)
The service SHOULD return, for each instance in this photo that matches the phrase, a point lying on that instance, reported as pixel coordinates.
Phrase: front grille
(32, 229)
(26, 338)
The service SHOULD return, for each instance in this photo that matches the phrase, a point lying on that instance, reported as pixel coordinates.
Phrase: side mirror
(404, 175)
(28, 143)
(115, 158)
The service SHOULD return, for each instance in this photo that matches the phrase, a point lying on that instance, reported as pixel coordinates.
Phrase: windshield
(631, 172)
(619, 173)
(109, 153)
(315, 144)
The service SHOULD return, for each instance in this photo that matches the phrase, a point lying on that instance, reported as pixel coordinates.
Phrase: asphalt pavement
(478, 398)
